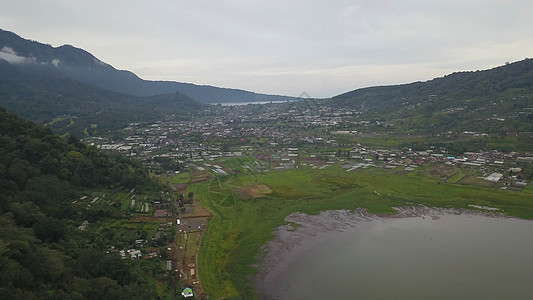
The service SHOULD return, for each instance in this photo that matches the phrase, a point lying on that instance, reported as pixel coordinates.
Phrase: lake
(251, 102)
(428, 254)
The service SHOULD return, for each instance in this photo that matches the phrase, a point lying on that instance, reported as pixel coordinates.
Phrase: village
(285, 136)
(170, 228)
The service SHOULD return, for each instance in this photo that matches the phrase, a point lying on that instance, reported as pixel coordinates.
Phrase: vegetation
(42, 253)
(51, 185)
(69, 106)
(455, 144)
(233, 240)
(490, 101)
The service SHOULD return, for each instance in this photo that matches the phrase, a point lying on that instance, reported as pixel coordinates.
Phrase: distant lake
(251, 102)
(441, 256)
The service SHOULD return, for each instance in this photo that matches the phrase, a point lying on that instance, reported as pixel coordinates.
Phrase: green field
(240, 227)
(508, 143)
(180, 178)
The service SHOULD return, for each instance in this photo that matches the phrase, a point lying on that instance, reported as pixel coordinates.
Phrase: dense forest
(43, 255)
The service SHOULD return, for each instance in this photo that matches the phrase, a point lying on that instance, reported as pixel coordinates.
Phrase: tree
(164, 254)
(49, 230)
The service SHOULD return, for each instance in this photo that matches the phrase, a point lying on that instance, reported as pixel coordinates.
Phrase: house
(494, 177)
(83, 225)
(162, 209)
(134, 254)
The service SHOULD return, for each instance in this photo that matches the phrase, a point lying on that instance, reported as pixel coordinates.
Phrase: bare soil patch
(179, 187)
(199, 176)
(196, 211)
(253, 191)
(265, 156)
(441, 171)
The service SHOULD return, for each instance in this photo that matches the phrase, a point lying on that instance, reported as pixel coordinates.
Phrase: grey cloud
(8, 54)
(284, 47)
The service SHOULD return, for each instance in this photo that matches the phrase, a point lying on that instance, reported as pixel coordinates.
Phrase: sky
(321, 47)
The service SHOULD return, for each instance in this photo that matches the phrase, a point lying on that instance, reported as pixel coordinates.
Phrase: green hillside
(499, 100)
(43, 254)
(69, 106)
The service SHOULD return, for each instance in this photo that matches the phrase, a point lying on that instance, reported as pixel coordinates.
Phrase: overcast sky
(284, 47)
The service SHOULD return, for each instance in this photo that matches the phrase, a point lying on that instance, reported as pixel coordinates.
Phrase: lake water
(251, 102)
(430, 256)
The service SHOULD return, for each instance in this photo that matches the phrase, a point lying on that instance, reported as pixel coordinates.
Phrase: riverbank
(305, 232)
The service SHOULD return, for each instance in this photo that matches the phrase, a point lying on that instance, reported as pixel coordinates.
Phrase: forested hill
(69, 106)
(42, 253)
(82, 66)
(455, 101)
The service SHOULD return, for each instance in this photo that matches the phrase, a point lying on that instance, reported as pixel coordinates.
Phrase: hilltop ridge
(461, 100)
(80, 65)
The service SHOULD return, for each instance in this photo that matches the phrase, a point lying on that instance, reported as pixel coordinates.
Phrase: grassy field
(240, 227)
(180, 178)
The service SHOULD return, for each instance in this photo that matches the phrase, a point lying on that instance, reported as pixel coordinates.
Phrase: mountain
(80, 65)
(67, 105)
(494, 100)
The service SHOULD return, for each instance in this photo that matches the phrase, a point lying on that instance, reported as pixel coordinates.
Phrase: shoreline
(306, 231)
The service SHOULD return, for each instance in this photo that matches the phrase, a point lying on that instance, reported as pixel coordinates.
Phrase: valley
(253, 165)
(129, 188)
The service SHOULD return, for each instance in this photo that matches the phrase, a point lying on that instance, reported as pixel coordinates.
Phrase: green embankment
(240, 227)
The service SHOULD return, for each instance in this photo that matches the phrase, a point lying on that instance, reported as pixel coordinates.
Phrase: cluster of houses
(283, 137)
(189, 139)
(132, 253)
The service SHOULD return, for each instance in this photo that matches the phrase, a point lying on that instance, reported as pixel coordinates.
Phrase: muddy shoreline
(305, 231)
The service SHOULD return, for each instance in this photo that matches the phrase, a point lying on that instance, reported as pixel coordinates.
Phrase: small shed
(187, 292)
